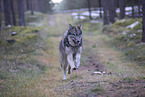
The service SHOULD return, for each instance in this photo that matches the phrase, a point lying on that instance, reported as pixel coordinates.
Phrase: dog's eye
(73, 38)
(74, 34)
(80, 33)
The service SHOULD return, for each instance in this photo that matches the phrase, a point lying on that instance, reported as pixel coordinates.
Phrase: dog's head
(74, 35)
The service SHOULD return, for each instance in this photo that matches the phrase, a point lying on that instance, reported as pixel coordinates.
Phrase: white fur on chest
(70, 50)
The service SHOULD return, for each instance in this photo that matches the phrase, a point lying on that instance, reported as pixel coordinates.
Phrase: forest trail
(120, 77)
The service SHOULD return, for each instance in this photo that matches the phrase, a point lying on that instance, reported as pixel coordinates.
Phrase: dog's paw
(64, 78)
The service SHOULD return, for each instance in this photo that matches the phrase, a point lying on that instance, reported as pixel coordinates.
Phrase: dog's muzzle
(77, 43)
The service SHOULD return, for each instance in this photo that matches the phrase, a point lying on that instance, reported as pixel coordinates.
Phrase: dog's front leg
(69, 69)
(78, 56)
(71, 62)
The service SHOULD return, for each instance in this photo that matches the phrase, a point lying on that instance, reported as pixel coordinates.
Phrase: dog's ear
(80, 26)
(65, 34)
(70, 26)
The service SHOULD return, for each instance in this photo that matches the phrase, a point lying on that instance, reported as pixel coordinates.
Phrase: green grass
(98, 88)
(36, 71)
(129, 43)
(20, 68)
(27, 65)
(34, 20)
(127, 22)
(57, 25)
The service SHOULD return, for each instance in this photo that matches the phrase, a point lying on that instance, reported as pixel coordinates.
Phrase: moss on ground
(128, 40)
(25, 39)
(19, 66)
(30, 66)
(127, 22)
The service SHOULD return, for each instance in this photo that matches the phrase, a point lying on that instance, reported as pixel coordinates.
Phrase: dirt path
(120, 78)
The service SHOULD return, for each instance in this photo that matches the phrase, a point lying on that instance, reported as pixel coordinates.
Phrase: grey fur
(70, 49)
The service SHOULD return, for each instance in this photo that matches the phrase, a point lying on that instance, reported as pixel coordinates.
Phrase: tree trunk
(100, 8)
(0, 21)
(21, 12)
(115, 6)
(89, 9)
(139, 3)
(111, 11)
(132, 5)
(1, 5)
(122, 9)
(143, 10)
(7, 12)
(13, 12)
(105, 16)
(31, 7)
(38, 5)
(0, 14)
(28, 6)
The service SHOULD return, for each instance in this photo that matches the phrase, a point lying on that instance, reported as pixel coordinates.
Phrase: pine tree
(100, 8)
(0, 15)
(139, 4)
(7, 12)
(89, 9)
(13, 13)
(38, 5)
(31, 7)
(105, 7)
(28, 6)
(132, 5)
(143, 10)
(21, 12)
(111, 8)
(122, 9)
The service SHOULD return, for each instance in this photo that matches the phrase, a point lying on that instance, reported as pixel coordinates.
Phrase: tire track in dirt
(83, 83)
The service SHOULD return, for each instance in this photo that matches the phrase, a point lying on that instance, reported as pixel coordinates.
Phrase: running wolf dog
(70, 49)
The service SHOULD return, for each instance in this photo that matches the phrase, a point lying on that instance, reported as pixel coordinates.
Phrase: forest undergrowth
(29, 66)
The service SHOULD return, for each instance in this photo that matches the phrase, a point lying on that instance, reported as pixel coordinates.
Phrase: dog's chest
(73, 50)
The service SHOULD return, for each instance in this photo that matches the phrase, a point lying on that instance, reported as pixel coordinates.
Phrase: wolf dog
(70, 49)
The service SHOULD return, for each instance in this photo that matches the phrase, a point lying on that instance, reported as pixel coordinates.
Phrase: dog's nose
(78, 42)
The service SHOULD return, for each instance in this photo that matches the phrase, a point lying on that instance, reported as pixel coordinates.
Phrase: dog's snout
(78, 41)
